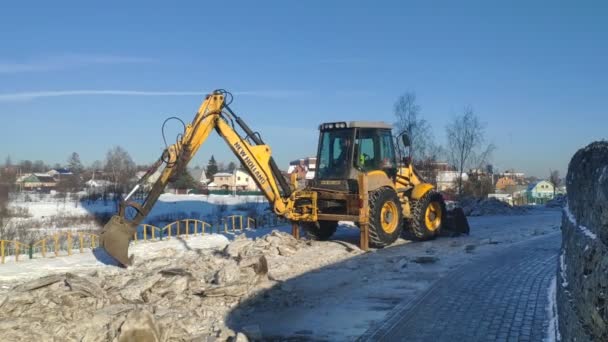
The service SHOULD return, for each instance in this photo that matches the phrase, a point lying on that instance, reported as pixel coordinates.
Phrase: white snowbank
(572, 219)
(33, 268)
(553, 334)
(562, 268)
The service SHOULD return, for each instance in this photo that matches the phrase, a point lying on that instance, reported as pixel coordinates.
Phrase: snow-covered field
(43, 216)
(167, 203)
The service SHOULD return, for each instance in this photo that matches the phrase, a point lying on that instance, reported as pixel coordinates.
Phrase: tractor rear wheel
(428, 215)
(320, 230)
(385, 217)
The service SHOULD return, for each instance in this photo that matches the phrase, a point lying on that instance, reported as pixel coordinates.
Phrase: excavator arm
(255, 156)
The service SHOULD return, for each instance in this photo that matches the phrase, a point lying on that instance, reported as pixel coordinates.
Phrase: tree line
(465, 146)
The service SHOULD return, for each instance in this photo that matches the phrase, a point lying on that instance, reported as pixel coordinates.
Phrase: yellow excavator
(360, 177)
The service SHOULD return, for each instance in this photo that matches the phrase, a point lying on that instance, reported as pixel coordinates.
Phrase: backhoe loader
(358, 178)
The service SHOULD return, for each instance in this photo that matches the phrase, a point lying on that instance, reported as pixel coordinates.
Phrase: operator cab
(348, 148)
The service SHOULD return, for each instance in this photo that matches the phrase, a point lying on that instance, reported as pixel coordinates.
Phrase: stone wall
(582, 275)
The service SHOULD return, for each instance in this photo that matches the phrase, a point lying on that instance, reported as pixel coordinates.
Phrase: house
(447, 180)
(244, 181)
(517, 177)
(97, 183)
(223, 180)
(239, 180)
(151, 179)
(36, 182)
(58, 173)
(305, 167)
(504, 182)
(540, 192)
(199, 175)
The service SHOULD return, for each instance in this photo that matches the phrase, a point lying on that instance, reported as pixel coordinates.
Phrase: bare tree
(418, 129)
(39, 166)
(120, 167)
(465, 135)
(96, 166)
(555, 180)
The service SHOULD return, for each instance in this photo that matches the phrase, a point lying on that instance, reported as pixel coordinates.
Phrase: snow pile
(558, 202)
(563, 268)
(489, 206)
(167, 296)
(553, 334)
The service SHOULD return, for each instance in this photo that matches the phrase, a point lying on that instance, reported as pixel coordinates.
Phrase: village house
(36, 182)
(222, 181)
(540, 192)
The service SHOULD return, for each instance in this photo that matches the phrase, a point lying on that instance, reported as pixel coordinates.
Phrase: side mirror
(406, 139)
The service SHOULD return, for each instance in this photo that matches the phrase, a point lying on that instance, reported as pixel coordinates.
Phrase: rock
(84, 286)
(582, 298)
(240, 337)
(40, 283)
(286, 250)
(228, 274)
(237, 247)
(139, 326)
(135, 287)
(253, 331)
(176, 272)
(235, 290)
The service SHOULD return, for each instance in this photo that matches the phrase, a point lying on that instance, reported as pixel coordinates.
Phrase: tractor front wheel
(428, 215)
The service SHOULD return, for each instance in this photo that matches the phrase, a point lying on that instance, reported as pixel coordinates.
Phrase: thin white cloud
(67, 61)
(33, 95)
(342, 60)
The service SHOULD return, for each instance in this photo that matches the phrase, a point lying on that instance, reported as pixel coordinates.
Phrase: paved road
(500, 298)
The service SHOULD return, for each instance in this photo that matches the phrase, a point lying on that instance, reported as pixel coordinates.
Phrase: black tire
(378, 236)
(418, 223)
(321, 230)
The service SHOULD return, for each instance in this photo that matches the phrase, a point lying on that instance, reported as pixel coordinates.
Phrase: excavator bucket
(115, 239)
(456, 221)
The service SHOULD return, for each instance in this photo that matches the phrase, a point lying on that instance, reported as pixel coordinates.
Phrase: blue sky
(82, 77)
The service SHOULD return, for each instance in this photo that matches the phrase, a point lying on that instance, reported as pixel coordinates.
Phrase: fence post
(2, 250)
(145, 232)
(31, 250)
(241, 221)
(81, 242)
(153, 229)
(44, 248)
(56, 245)
(69, 243)
(187, 228)
(16, 250)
